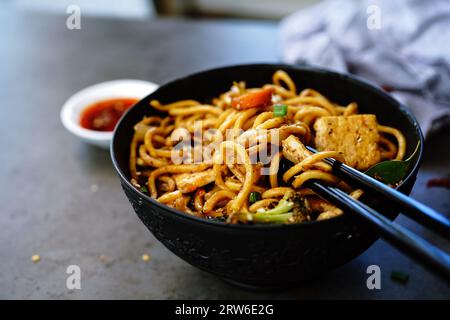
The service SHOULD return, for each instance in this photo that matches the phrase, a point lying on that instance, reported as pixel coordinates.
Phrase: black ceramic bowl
(267, 256)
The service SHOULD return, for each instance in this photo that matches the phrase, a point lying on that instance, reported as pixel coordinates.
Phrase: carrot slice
(260, 98)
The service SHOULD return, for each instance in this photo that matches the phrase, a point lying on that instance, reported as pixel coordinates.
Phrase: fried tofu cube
(356, 136)
(294, 150)
(189, 182)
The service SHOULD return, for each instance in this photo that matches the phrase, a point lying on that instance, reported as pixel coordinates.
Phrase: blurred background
(144, 9)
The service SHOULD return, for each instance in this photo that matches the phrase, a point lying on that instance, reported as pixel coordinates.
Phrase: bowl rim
(194, 219)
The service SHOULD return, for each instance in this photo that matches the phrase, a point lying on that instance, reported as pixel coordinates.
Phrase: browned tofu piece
(189, 182)
(294, 150)
(355, 136)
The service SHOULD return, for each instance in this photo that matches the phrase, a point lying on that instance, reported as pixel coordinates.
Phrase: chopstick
(410, 207)
(417, 248)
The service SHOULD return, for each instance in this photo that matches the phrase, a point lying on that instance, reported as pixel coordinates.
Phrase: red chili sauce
(104, 115)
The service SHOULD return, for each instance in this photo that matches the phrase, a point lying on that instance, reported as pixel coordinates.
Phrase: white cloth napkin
(403, 45)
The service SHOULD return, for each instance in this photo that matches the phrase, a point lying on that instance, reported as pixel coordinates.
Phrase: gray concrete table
(61, 199)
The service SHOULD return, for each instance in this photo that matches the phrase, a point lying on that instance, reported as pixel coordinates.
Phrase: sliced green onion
(280, 110)
(399, 276)
(144, 189)
(254, 197)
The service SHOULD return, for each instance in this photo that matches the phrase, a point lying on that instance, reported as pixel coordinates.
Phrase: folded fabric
(403, 45)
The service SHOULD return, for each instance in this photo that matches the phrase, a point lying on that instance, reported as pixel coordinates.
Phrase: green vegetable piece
(254, 197)
(143, 189)
(280, 110)
(290, 209)
(392, 171)
(399, 276)
(280, 214)
(283, 206)
(263, 217)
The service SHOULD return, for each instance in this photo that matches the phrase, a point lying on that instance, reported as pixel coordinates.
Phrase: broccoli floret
(262, 217)
(291, 209)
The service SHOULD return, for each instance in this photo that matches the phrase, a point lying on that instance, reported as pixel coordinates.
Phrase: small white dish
(72, 108)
